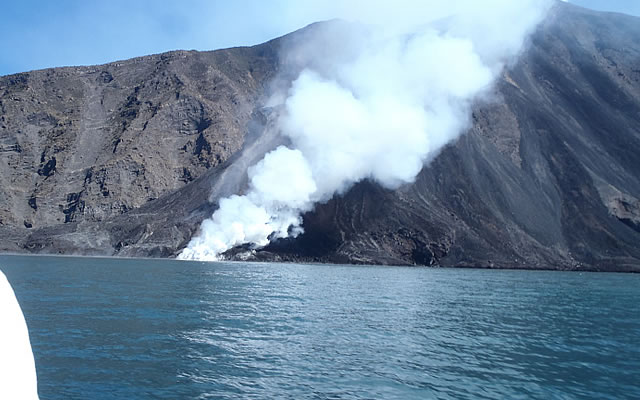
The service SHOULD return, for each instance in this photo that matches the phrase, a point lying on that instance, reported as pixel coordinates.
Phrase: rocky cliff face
(81, 146)
(128, 158)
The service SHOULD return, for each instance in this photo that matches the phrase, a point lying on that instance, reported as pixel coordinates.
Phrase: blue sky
(40, 34)
(623, 6)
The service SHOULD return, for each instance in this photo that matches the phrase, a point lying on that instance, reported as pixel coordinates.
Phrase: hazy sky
(39, 34)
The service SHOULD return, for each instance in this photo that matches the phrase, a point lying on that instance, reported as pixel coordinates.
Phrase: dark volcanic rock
(128, 158)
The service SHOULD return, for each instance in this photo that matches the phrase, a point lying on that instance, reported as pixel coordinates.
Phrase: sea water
(159, 329)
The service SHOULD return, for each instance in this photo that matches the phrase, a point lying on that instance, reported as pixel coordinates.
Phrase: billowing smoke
(376, 99)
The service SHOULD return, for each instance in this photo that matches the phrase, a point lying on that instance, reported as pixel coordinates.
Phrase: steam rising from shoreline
(376, 100)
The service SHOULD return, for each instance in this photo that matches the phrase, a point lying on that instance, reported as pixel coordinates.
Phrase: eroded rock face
(87, 144)
(128, 158)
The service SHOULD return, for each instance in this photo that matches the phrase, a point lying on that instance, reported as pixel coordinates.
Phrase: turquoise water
(148, 329)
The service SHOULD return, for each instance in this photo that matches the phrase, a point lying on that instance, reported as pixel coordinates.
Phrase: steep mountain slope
(128, 158)
(548, 176)
(82, 145)
(85, 144)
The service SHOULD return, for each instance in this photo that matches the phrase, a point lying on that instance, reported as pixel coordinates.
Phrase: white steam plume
(375, 100)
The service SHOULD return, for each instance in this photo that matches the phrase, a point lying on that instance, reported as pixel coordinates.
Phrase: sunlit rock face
(17, 367)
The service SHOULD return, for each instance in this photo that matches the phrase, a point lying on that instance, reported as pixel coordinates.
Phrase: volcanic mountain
(128, 158)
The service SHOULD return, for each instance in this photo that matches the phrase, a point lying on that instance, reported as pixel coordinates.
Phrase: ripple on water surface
(113, 329)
